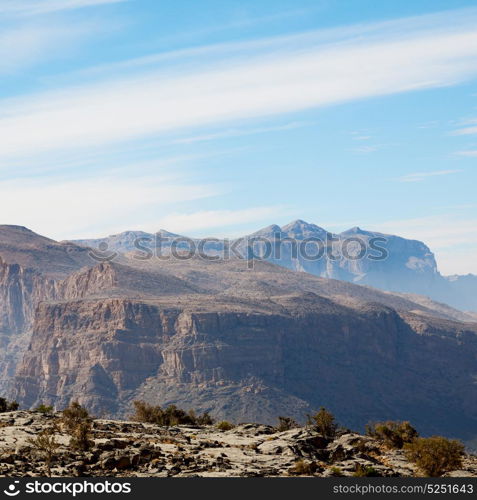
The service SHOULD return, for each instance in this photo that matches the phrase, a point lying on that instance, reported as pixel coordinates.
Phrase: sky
(213, 118)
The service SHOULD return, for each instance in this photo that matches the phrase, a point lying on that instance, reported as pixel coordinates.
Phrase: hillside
(126, 449)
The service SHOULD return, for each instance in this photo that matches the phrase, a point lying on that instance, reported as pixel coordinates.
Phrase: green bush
(362, 471)
(324, 422)
(336, 472)
(392, 434)
(204, 419)
(6, 405)
(78, 424)
(46, 445)
(172, 415)
(47, 410)
(435, 455)
(225, 426)
(81, 437)
(286, 424)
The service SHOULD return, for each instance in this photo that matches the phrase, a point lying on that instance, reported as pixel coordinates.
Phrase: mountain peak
(271, 230)
(300, 228)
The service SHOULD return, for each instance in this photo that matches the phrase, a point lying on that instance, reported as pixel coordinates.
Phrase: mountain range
(409, 266)
(245, 342)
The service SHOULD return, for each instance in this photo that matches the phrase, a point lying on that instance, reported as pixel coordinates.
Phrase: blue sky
(217, 118)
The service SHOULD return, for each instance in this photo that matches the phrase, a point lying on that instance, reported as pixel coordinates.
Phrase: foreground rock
(134, 449)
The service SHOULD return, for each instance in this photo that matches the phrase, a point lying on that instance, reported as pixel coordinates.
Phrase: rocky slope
(124, 449)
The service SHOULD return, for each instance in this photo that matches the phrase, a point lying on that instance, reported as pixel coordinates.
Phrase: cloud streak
(421, 176)
(25, 46)
(74, 208)
(472, 153)
(35, 7)
(284, 77)
(212, 219)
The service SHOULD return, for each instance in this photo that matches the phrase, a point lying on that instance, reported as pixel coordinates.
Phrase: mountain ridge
(410, 266)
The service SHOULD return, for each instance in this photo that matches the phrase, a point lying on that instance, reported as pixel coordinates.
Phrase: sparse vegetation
(435, 455)
(304, 468)
(286, 424)
(6, 405)
(224, 425)
(324, 422)
(392, 434)
(45, 445)
(205, 419)
(172, 415)
(45, 409)
(78, 424)
(336, 472)
(365, 471)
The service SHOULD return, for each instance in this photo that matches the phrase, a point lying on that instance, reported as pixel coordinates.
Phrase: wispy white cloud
(67, 209)
(421, 176)
(366, 149)
(212, 219)
(227, 134)
(472, 153)
(27, 45)
(362, 138)
(35, 7)
(466, 131)
(285, 77)
(451, 236)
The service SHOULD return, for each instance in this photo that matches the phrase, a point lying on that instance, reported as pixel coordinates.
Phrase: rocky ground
(134, 449)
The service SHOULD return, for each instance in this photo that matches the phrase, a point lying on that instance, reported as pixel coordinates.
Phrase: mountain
(389, 262)
(247, 343)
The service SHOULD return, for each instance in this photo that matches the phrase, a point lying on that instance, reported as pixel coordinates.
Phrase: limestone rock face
(373, 365)
(20, 291)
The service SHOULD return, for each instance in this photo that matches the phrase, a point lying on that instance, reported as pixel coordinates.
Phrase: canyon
(244, 342)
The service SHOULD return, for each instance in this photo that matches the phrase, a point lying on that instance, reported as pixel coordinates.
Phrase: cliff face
(254, 366)
(20, 291)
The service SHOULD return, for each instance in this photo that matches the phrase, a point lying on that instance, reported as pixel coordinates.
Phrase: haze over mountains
(409, 266)
(246, 343)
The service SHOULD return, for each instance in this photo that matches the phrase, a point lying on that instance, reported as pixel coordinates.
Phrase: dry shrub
(324, 422)
(435, 455)
(392, 434)
(78, 424)
(286, 424)
(170, 416)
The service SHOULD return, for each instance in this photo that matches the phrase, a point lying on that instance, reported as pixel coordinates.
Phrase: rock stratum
(247, 343)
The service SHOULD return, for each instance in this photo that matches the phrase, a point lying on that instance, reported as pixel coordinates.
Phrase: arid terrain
(125, 448)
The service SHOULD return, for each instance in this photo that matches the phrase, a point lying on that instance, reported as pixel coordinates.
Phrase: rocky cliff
(244, 342)
(302, 352)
